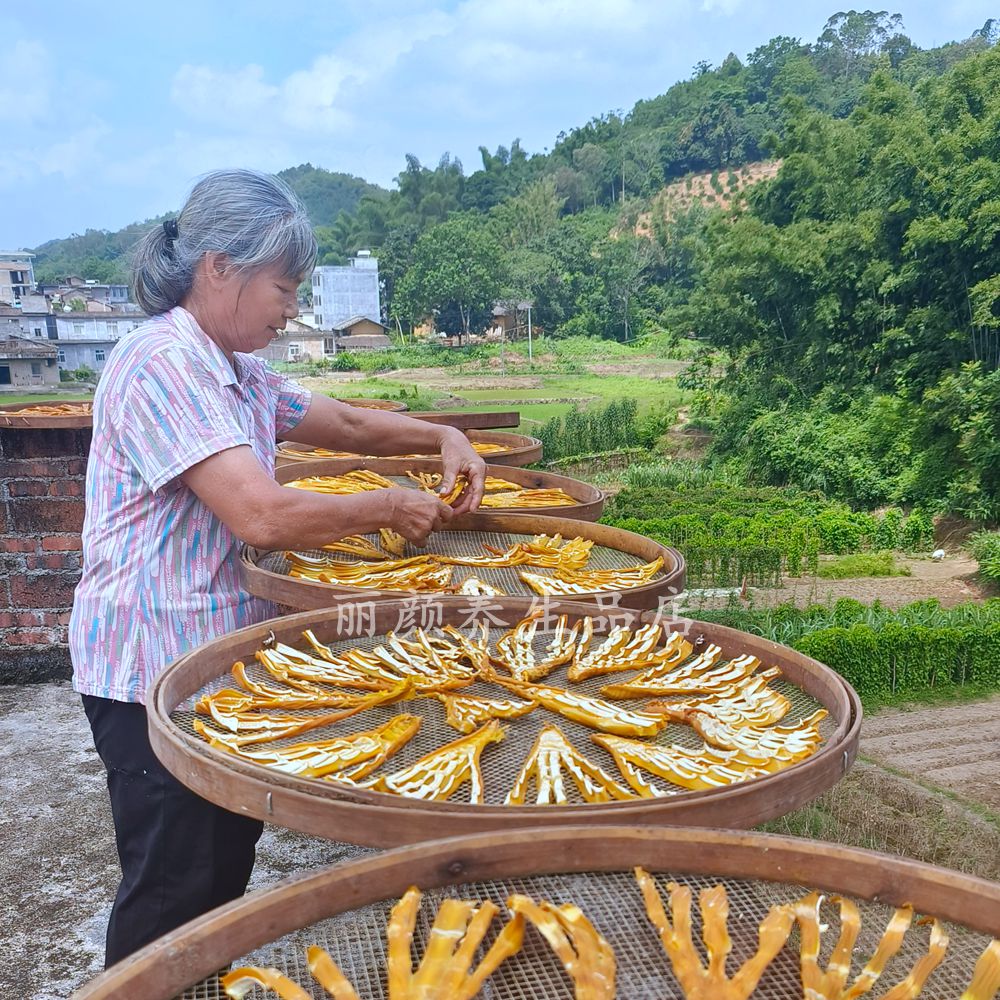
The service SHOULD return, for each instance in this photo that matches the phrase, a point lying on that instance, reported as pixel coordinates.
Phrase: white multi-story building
(86, 339)
(343, 293)
(17, 277)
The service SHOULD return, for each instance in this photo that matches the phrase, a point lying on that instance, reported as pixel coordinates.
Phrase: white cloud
(75, 154)
(25, 83)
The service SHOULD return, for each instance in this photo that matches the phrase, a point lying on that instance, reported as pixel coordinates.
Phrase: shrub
(918, 532)
(862, 564)
(591, 432)
(985, 549)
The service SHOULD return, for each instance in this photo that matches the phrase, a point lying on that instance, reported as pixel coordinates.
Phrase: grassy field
(46, 397)
(588, 390)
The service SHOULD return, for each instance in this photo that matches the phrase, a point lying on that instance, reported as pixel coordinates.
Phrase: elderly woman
(180, 472)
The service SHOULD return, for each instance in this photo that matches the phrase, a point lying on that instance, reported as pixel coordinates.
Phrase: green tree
(456, 263)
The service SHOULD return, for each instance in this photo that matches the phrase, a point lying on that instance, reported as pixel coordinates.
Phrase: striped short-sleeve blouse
(160, 570)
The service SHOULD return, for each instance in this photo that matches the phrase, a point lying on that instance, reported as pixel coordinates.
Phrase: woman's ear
(214, 268)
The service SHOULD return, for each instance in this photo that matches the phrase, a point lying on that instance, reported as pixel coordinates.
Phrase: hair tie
(170, 228)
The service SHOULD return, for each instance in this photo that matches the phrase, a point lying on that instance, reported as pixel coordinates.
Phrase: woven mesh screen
(613, 903)
(501, 762)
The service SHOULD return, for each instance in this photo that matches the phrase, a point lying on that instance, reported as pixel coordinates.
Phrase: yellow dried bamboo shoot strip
(339, 671)
(494, 484)
(445, 971)
(986, 976)
(229, 701)
(294, 693)
(476, 651)
(52, 410)
(354, 755)
(585, 955)
(627, 650)
(551, 755)
(709, 981)
(516, 650)
(328, 974)
(360, 481)
(495, 559)
(593, 712)
(748, 703)
(467, 712)
(240, 982)
(527, 498)
(761, 747)
(439, 774)
(355, 545)
(698, 676)
(423, 664)
(246, 728)
(472, 586)
(347, 570)
(392, 541)
(831, 984)
(421, 575)
(566, 582)
(696, 770)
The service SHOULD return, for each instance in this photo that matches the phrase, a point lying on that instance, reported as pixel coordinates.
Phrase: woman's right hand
(415, 514)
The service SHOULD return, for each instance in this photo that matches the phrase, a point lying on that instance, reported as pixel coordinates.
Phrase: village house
(17, 277)
(86, 339)
(24, 363)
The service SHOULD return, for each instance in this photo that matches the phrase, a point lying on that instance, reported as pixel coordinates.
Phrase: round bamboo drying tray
(71, 421)
(589, 500)
(468, 420)
(396, 406)
(344, 909)
(346, 812)
(518, 449)
(265, 574)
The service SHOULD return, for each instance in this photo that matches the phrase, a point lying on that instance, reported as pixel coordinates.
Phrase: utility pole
(529, 332)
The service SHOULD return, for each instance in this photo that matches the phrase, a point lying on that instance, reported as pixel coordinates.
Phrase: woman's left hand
(458, 457)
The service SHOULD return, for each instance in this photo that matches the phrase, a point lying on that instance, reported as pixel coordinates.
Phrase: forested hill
(99, 254)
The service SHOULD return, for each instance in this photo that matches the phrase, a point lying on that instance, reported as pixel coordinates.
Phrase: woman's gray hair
(252, 218)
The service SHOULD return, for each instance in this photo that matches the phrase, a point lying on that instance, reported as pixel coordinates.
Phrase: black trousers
(180, 855)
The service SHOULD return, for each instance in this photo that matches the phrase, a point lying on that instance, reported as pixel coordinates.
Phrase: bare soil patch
(956, 747)
(952, 581)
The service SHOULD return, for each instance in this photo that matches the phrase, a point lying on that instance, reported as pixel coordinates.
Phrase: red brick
(66, 488)
(54, 560)
(20, 443)
(62, 543)
(43, 515)
(28, 487)
(26, 638)
(15, 544)
(39, 468)
(20, 619)
(44, 590)
(54, 619)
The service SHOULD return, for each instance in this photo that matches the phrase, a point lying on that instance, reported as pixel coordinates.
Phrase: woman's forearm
(331, 424)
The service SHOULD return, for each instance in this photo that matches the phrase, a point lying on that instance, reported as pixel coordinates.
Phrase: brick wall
(41, 516)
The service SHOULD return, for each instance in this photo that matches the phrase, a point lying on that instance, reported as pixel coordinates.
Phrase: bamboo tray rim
(519, 448)
(74, 421)
(192, 952)
(264, 582)
(266, 793)
(589, 499)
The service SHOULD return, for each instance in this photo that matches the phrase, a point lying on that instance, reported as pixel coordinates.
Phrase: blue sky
(108, 117)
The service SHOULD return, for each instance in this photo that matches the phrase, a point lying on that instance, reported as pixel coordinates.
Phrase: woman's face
(258, 305)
